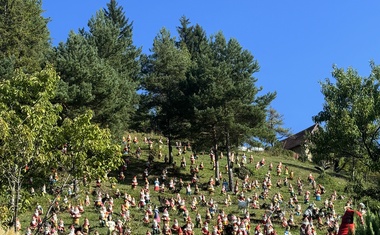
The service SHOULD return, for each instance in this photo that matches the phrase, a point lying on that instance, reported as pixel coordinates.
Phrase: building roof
(298, 139)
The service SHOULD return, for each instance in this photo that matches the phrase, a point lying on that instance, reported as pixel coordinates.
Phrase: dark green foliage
(111, 33)
(242, 172)
(278, 150)
(272, 130)
(349, 131)
(164, 75)
(351, 121)
(6, 68)
(87, 82)
(99, 70)
(226, 100)
(221, 90)
(24, 36)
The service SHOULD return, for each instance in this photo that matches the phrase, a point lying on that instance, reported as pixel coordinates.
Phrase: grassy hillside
(137, 166)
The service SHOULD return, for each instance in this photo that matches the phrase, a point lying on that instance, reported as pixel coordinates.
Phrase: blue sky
(296, 42)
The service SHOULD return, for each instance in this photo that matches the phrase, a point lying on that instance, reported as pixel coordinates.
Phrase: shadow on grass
(137, 166)
(314, 170)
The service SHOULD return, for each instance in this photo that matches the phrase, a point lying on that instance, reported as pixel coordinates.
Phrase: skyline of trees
(89, 90)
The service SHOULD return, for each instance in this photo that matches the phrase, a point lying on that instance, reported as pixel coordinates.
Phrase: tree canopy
(272, 130)
(99, 70)
(25, 40)
(350, 118)
(63, 107)
(166, 72)
(28, 120)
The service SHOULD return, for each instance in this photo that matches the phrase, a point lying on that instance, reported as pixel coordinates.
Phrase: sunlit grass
(136, 167)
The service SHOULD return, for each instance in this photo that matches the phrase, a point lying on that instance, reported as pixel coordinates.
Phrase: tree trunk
(353, 169)
(16, 186)
(230, 186)
(15, 215)
(52, 203)
(171, 160)
(13, 201)
(215, 151)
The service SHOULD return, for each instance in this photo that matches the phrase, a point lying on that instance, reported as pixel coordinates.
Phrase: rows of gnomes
(189, 207)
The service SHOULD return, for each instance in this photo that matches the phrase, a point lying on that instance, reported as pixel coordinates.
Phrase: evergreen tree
(87, 82)
(223, 91)
(238, 108)
(194, 37)
(99, 70)
(24, 36)
(111, 33)
(195, 40)
(272, 130)
(165, 74)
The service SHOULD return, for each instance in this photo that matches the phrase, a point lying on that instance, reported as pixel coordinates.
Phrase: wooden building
(297, 142)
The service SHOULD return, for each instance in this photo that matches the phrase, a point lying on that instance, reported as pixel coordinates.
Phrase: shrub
(371, 225)
(241, 172)
(371, 202)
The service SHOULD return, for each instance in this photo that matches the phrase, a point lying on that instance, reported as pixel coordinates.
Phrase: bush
(5, 216)
(325, 178)
(372, 203)
(280, 151)
(353, 187)
(371, 225)
(241, 172)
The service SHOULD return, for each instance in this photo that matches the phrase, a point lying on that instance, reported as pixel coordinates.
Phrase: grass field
(137, 166)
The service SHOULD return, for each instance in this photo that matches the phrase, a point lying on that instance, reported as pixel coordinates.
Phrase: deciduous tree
(350, 130)
(28, 123)
(90, 150)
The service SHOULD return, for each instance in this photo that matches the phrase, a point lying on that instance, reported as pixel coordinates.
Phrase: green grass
(301, 169)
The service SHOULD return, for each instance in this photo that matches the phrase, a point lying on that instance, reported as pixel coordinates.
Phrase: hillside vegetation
(136, 167)
(65, 108)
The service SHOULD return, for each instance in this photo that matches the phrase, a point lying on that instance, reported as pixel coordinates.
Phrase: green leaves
(90, 148)
(272, 129)
(229, 90)
(351, 117)
(28, 122)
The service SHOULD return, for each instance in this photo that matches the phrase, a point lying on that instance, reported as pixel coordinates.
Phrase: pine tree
(87, 82)
(272, 130)
(229, 106)
(24, 36)
(99, 70)
(165, 74)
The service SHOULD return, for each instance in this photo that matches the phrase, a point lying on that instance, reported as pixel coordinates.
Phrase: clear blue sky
(296, 42)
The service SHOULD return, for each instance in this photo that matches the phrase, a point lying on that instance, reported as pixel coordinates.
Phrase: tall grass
(8, 232)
